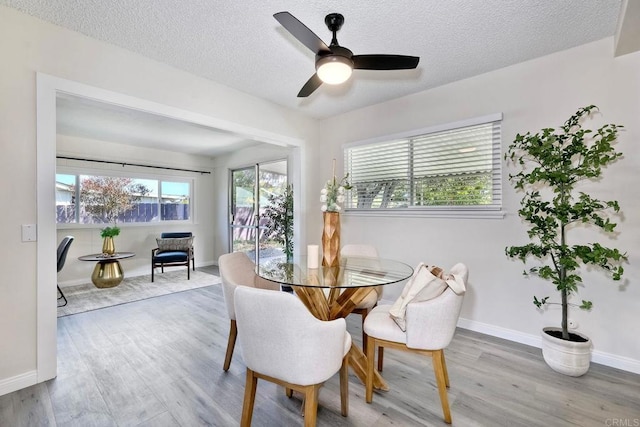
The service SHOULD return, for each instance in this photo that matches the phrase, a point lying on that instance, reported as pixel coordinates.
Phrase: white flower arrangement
(332, 195)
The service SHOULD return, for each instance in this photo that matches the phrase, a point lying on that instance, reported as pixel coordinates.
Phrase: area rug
(87, 297)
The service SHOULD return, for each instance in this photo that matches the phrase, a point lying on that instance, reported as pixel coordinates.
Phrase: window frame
(78, 171)
(493, 211)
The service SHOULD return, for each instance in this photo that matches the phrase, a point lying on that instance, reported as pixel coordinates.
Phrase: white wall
(539, 93)
(27, 46)
(532, 95)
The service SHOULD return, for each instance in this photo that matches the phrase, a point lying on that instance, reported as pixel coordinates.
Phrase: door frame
(47, 89)
(256, 195)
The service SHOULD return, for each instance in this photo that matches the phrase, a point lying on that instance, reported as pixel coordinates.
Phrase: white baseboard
(18, 382)
(607, 359)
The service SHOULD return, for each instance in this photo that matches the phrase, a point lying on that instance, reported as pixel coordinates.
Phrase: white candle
(312, 256)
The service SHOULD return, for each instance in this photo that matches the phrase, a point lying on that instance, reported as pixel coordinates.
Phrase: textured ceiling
(241, 45)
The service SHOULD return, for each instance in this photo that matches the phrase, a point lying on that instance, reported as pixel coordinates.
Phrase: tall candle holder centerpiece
(331, 196)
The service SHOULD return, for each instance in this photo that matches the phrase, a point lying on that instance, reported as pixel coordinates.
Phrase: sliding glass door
(255, 193)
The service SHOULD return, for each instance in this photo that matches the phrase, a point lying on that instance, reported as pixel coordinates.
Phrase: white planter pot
(566, 357)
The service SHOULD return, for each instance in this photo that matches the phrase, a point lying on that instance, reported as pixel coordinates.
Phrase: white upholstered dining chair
(282, 342)
(236, 269)
(430, 326)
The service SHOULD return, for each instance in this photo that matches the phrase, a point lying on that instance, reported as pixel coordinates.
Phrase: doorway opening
(48, 90)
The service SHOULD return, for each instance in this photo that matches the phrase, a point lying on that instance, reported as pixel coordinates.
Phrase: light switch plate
(29, 233)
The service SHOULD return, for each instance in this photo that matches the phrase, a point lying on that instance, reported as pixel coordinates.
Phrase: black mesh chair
(172, 252)
(63, 248)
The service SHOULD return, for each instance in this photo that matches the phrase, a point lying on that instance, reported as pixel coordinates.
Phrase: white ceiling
(86, 118)
(240, 44)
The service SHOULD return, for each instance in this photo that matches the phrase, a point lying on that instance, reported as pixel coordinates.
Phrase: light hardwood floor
(158, 362)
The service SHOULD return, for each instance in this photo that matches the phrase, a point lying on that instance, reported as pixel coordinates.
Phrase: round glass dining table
(353, 272)
(334, 292)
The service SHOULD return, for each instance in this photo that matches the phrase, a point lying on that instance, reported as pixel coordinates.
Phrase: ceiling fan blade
(301, 32)
(385, 62)
(310, 86)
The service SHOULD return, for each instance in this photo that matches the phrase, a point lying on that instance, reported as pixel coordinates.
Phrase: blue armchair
(174, 249)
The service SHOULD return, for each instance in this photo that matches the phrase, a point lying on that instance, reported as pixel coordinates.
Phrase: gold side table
(107, 272)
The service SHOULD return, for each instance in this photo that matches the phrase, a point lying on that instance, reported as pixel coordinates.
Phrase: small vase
(331, 239)
(108, 247)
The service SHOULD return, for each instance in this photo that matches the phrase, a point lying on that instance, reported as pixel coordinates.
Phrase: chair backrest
(359, 250)
(63, 249)
(431, 324)
(176, 235)
(280, 338)
(236, 269)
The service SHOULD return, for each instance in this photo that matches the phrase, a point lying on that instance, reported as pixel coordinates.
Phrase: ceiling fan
(335, 63)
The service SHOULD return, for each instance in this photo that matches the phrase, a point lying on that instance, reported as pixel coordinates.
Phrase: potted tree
(278, 217)
(552, 163)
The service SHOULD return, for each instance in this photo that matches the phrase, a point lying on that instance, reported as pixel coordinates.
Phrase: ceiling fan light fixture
(334, 69)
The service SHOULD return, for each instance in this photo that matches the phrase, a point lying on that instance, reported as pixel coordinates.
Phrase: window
(95, 199)
(450, 168)
(174, 201)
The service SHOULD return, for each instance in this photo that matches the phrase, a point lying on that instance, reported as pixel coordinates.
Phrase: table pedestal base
(107, 274)
(339, 305)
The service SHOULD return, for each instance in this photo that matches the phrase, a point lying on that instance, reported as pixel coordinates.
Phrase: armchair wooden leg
(188, 272)
(380, 358)
(311, 405)
(344, 386)
(288, 391)
(233, 333)
(371, 346)
(249, 399)
(439, 370)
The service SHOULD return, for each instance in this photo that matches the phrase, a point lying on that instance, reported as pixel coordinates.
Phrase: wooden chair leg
(249, 399)
(380, 358)
(152, 271)
(364, 313)
(344, 386)
(371, 346)
(444, 368)
(311, 405)
(439, 370)
(288, 391)
(233, 333)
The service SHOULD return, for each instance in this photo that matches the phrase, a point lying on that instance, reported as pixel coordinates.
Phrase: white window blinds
(457, 168)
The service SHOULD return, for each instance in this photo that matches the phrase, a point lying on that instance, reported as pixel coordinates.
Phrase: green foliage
(110, 232)
(279, 219)
(448, 190)
(557, 160)
(106, 197)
